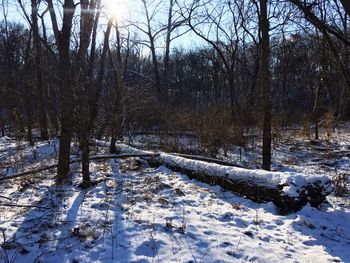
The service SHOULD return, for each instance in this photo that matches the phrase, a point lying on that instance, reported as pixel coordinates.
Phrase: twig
(331, 238)
(98, 157)
(27, 206)
(5, 252)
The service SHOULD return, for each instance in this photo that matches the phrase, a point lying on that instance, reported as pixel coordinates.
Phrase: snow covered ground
(19, 155)
(140, 214)
(292, 151)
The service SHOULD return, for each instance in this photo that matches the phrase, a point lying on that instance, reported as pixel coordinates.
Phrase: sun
(117, 9)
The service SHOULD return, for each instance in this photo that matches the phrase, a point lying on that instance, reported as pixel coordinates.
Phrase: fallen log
(124, 148)
(206, 159)
(97, 157)
(288, 191)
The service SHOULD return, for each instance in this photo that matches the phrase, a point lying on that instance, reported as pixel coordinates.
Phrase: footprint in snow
(208, 232)
(238, 222)
(140, 261)
(226, 217)
(149, 248)
(226, 244)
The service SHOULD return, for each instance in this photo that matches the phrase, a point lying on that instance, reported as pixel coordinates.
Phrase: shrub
(340, 181)
(215, 130)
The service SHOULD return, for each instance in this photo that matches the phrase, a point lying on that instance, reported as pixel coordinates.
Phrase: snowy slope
(140, 214)
(161, 216)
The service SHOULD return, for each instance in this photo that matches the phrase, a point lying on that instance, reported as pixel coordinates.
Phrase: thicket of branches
(88, 78)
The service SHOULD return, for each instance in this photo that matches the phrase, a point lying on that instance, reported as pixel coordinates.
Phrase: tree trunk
(94, 97)
(346, 5)
(66, 89)
(266, 84)
(85, 160)
(39, 80)
(167, 54)
(28, 96)
(87, 22)
(112, 147)
(66, 120)
(117, 112)
(156, 70)
(29, 109)
(153, 53)
(316, 110)
(318, 92)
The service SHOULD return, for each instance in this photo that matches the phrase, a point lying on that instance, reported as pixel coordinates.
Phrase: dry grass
(340, 183)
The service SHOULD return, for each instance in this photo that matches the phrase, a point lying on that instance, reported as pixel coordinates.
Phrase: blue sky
(133, 8)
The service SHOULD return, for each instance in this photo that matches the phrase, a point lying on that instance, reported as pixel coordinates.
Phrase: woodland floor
(136, 213)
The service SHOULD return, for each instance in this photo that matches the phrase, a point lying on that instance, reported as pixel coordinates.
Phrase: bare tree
(63, 38)
(83, 78)
(221, 26)
(38, 66)
(118, 103)
(265, 83)
(96, 92)
(329, 31)
(152, 34)
(154, 29)
(324, 27)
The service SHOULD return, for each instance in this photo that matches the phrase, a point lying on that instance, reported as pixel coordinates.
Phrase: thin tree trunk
(28, 95)
(156, 70)
(39, 80)
(117, 113)
(66, 120)
(319, 90)
(87, 18)
(66, 89)
(316, 108)
(153, 53)
(94, 97)
(167, 54)
(112, 147)
(29, 109)
(266, 85)
(346, 5)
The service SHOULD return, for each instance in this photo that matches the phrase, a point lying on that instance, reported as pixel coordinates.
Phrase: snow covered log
(288, 191)
(206, 159)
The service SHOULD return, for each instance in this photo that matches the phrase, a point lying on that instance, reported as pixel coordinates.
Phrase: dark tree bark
(151, 39)
(39, 79)
(87, 18)
(118, 103)
(92, 57)
(319, 89)
(95, 94)
(327, 32)
(66, 89)
(318, 23)
(28, 95)
(167, 52)
(346, 5)
(317, 107)
(228, 56)
(266, 84)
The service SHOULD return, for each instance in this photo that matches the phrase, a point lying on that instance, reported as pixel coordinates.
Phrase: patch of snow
(138, 216)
